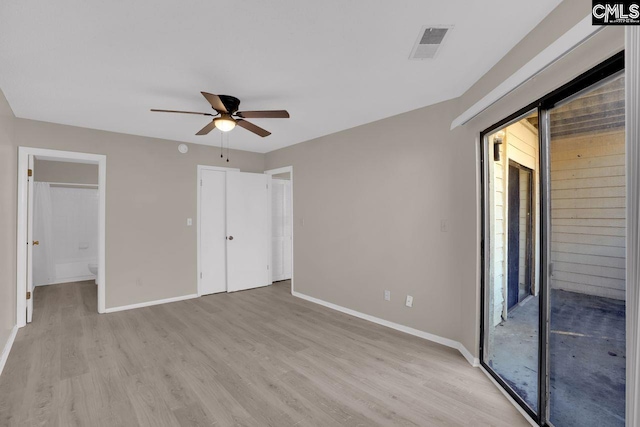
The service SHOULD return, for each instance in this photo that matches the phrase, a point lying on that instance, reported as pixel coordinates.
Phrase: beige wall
(151, 191)
(65, 172)
(368, 203)
(372, 197)
(7, 217)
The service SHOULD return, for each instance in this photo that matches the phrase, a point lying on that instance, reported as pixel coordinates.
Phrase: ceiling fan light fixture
(224, 123)
(227, 107)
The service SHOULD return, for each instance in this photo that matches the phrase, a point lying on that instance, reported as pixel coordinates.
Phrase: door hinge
(30, 172)
(28, 295)
(201, 275)
(200, 183)
(267, 266)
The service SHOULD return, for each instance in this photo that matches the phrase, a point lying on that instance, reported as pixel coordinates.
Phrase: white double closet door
(234, 231)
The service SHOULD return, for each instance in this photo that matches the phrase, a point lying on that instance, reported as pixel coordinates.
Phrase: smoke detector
(429, 41)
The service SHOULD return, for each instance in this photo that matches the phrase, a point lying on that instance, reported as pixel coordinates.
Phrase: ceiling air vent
(429, 41)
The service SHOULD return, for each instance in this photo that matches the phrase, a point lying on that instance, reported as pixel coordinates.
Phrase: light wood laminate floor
(254, 358)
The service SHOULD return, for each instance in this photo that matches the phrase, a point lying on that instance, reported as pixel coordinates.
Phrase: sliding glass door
(587, 275)
(553, 322)
(512, 284)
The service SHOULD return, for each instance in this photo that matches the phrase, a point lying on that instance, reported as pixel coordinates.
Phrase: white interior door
(212, 217)
(281, 243)
(248, 209)
(30, 241)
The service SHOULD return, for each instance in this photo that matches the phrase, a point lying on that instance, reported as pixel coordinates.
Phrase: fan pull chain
(221, 136)
(227, 147)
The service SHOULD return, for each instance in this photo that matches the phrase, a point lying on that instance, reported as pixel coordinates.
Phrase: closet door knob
(230, 237)
(36, 242)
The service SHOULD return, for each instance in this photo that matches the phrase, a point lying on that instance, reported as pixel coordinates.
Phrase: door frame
(278, 171)
(287, 184)
(509, 262)
(201, 168)
(21, 248)
(529, 259)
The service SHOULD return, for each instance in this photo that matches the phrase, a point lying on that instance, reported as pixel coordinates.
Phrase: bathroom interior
(65, 223)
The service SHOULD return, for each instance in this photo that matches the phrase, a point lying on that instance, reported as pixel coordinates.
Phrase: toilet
(93, 268)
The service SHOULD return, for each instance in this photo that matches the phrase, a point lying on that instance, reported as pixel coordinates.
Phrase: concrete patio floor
(587, 357)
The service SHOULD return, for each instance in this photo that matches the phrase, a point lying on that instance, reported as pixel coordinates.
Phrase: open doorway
(61, 229)
(282, 227)
(65, 234)
(520, 234)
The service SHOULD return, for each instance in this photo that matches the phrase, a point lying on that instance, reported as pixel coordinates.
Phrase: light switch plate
(387, 295)
(189, 222)
(409, 302)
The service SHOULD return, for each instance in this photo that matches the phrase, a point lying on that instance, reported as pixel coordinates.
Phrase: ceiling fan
(227, 115)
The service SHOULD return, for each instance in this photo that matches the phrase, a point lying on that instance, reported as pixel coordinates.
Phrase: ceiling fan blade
(215, 102)
(272, 114)
(208, 128)
(183, 112)
(253, 128)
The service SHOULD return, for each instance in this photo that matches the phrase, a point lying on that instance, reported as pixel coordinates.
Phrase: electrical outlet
(409, 302)
(444, 225)
(387, 295)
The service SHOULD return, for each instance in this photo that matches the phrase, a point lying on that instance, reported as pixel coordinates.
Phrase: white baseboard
(150, 303)
(473, 361)
(7, 348)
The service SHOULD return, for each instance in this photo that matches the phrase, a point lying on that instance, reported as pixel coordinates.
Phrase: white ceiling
(333, 64)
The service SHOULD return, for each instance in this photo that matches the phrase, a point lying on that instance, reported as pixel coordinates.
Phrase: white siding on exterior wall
(588, 214)
(498, 254)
